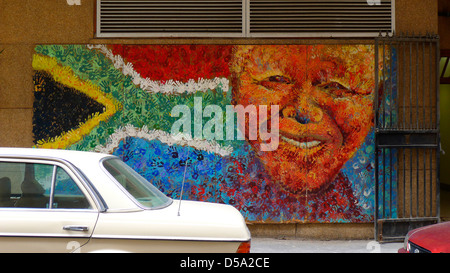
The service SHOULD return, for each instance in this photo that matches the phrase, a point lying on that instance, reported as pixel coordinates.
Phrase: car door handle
(76, 228)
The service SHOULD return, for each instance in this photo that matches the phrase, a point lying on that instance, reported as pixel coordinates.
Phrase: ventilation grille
(169, 17)
(311, 18)
(243, 18)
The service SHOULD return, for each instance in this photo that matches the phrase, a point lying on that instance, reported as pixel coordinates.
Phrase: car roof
(75, 157)
(88, 163)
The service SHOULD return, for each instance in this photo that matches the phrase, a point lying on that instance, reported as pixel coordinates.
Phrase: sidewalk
(271, 245)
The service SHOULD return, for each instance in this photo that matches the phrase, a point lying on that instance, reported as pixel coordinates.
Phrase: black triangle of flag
(58, 108)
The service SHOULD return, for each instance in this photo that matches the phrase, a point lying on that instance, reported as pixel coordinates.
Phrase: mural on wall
(119, 99)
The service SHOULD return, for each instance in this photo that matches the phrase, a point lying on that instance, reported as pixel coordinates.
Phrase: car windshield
(142, 190)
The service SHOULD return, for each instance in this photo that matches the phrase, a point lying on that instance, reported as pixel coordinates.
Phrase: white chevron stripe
(167, 138)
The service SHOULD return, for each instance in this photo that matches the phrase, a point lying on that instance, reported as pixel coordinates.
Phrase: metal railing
(406, 134)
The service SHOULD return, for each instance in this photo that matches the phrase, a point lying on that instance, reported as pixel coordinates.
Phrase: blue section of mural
(213, 178)
(387, 157)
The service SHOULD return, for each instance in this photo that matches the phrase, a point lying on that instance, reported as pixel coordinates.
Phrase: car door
(44, 207)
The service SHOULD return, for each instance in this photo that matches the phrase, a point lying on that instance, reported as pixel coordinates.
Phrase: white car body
(115, 221)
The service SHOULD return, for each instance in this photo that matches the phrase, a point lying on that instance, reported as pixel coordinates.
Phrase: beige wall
(418, 16)
(25, 23)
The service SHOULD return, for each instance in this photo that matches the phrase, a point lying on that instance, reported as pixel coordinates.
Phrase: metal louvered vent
(244, 18)
(320, 18)
(146, 18)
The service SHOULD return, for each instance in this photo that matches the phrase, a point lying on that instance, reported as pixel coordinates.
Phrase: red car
(428, 239)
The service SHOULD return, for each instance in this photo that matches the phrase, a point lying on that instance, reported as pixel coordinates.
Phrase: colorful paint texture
(118, 99)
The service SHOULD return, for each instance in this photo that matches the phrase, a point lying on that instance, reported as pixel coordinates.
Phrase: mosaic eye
(275, 81)
(336, 89)
(278, 79)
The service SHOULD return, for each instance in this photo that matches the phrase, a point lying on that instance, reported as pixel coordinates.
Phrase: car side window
(29, 185)
(25, 185)
(67, 195)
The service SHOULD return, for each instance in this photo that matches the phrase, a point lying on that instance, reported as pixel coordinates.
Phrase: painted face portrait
(325, 96)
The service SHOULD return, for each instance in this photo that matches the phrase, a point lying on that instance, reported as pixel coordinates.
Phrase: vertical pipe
(431, 182)
(383, 96)
(417, 182)
(417, 85)
(375, 121)
(404, 182)
(389, 98)
(431, 125)
(424, 183)
(397, 86)
(410, 182)
(384, 181)
(431, 85)
(438, 149)
(391, 89)
(404, 85)
(391, 173)
(410, 85)
(397, 178)
(423, 86)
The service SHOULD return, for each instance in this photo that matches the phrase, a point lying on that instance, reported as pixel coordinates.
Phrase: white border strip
(168, 87)
(129, 130)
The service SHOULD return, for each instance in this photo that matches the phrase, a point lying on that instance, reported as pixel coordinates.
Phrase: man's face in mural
(325, 96)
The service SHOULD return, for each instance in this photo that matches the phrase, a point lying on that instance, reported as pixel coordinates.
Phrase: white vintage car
(71, 201)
